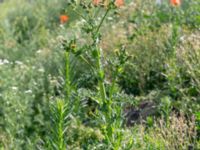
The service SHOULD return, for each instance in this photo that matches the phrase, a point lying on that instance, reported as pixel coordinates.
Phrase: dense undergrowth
(127, 78)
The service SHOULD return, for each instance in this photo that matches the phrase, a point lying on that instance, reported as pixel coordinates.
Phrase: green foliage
(198, 124)
(69, 85)
(59, 122)
(166, 108)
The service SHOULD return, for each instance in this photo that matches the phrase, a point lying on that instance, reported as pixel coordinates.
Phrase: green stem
(101, 76)
(99, 63)
(67, 76)
(102, 20)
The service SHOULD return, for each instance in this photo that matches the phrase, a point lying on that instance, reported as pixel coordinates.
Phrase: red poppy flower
(119, 3)
(64, 19)
(175, 2)
(96, 2)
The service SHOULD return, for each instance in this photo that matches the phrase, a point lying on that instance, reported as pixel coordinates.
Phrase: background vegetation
(156, 97)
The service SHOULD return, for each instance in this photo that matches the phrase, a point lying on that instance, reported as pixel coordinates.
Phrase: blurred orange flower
(119, 3)
(175, 2)
(64, 19)
(96, 2)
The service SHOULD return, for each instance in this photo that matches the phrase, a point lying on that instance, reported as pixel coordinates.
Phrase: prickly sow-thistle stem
(99, 63)
(67, 76)
(101, 76)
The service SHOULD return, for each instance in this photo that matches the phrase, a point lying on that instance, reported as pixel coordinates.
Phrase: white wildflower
(110, 18)
(28, 92)
(41, 70)
(18, 62)
(4, 61)
(182, 38)
(14, 88)
(38, 51)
